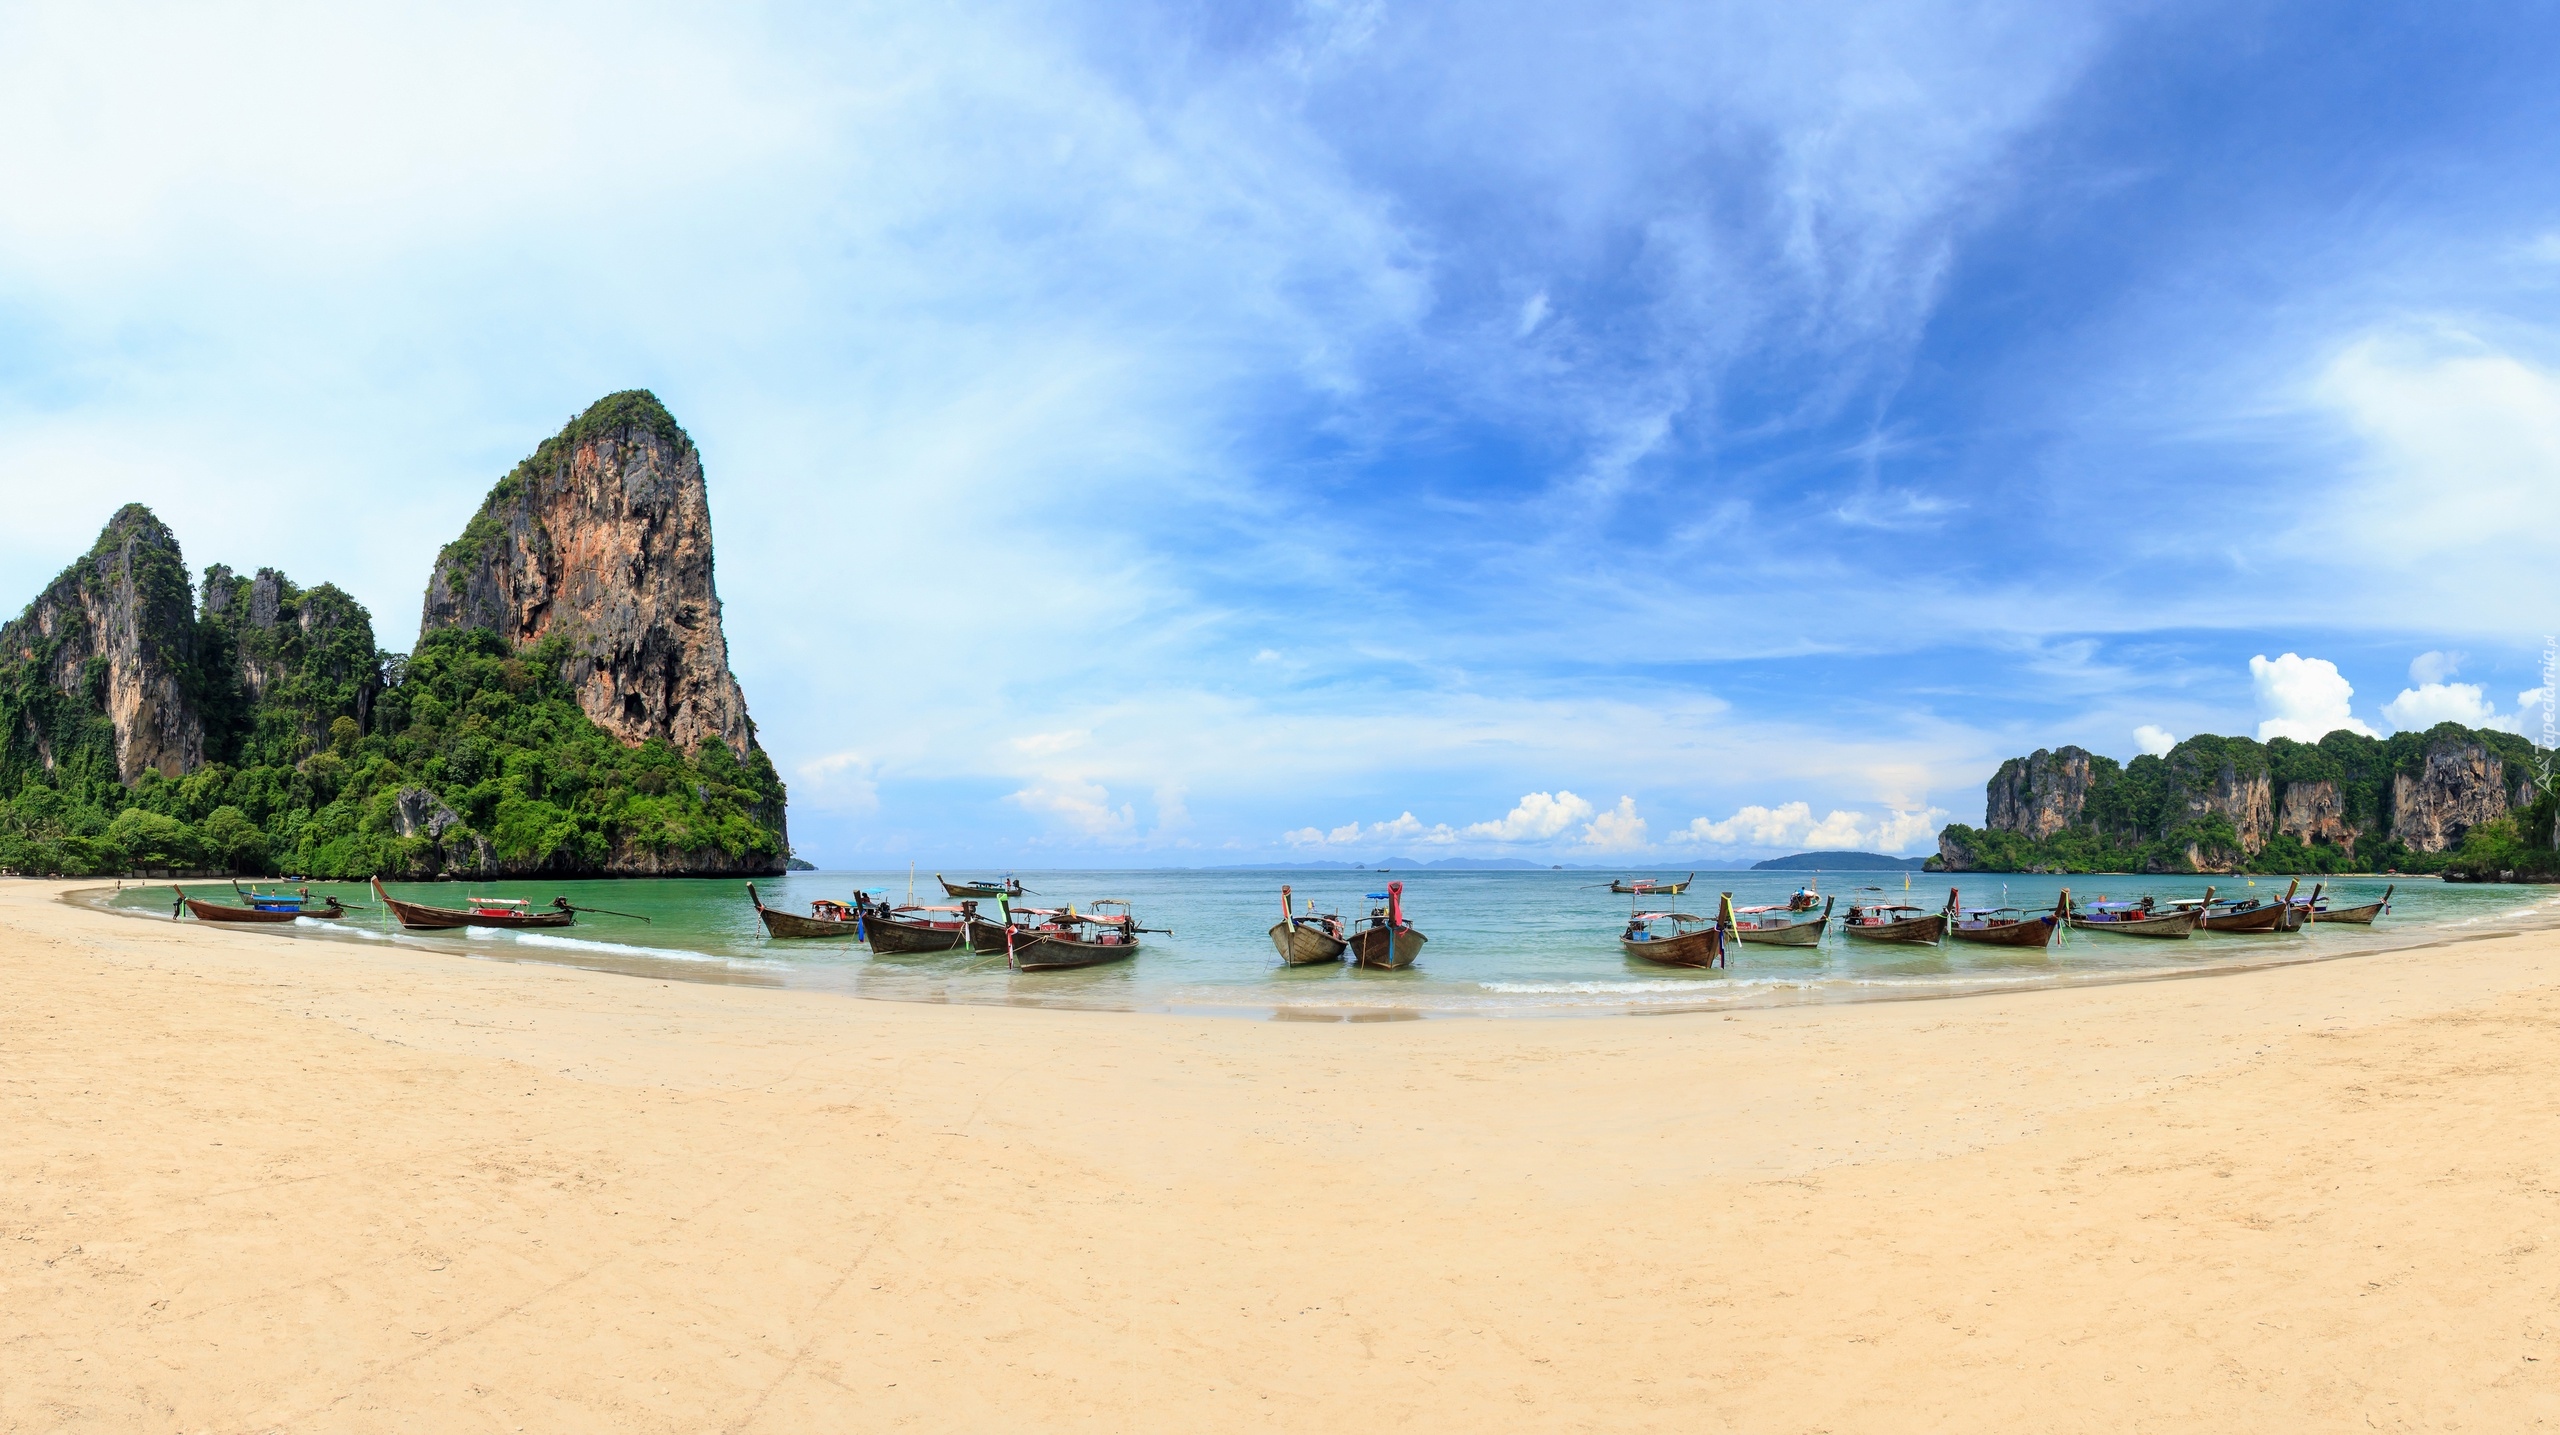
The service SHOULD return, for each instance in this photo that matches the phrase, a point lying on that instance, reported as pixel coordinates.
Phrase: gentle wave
(615, 949)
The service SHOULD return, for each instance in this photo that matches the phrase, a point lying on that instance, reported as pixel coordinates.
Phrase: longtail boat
(1675, 939)
(2137, 919)
(1384, 941)
(1305, 938)
(2006, 926)
(985, 887)
(2299, 914)
(1770, 926)
(273, 911)
(2250, 916)
(503, 913)
(1806, 897)
(1650, 886)
(1894, 922)
(827, 919)
(905, 931)
(1076, 939)
(2361, 916)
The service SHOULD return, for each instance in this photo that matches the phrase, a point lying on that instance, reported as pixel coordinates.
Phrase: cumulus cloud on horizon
(2305, 699)
(1792, 825)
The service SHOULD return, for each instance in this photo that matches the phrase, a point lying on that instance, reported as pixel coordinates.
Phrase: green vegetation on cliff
(326, 757)
(2317, 807)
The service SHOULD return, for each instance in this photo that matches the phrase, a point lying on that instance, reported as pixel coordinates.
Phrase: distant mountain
(1840, 862)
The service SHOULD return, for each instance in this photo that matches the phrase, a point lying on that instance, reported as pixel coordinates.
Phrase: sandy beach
(250, 1183)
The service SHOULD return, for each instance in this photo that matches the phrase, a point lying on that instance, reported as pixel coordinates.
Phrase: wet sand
(252, 1184)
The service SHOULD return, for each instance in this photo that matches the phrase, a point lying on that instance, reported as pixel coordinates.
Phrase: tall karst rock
(104, 659)
(603, 537)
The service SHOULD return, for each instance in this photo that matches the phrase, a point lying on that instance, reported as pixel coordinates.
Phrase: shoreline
(2251, 953)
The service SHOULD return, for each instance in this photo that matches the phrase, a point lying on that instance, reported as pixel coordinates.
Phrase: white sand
(249, 1183)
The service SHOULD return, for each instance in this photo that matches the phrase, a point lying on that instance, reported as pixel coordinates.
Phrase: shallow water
(1501, 943)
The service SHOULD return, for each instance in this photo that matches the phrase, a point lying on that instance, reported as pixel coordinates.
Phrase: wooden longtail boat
(2136, 919)
(276, 914)
(988, 939)
(1692, 941)
(2298, 915)
(2362, 916)
(905, 931)
(503, 913)
(1777, 931)
(1894, 922)
(998, 887)
(1998, 928)
(1806, 897)
(827, 920)
(1304, 939)
(1384, 941)
(1651, 887)
(2249, 916)
(1077, 939)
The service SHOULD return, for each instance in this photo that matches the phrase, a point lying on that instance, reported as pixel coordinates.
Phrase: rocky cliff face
(311, 650)
(2247, 801)
(2038, 795)
(2316, 812)
(603, 538)
(115, 634)
(2458, 786)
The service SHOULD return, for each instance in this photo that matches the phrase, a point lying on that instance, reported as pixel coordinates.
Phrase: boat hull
(800, 929)
(1303, 946)
(1921, 930)
(792, 927)
(899, 936)
(419, 917)
(2354, 916)
(1807, 933)
(2033, 932)
(1693, 949)
(215, 912)
(2269, 918)
(1379, 950)
(957, 890)
(1054, 953)
(1653, 889)
(2172, 924)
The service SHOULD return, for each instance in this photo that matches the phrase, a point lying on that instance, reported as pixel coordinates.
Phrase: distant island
(2464, 802)
(1840, 862)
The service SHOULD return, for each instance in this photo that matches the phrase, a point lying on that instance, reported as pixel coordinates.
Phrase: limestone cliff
(2038, 795)
(603, 538)
(308, 655)
(2245, 799)
(112, 639)
(2316, 812)
(2457, 786)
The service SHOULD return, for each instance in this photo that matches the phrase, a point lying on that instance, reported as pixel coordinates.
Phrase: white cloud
(2463, 441)
(2529, 709)
(1405, 827)
(1616, 830)
(1902, 831)
(2305, 699)
(1538, 817)
(2155, 740)
(2422, 707)
(1081, 805)
(839, 782)
(1050, 744)
(1793, 826)
(2435, 667)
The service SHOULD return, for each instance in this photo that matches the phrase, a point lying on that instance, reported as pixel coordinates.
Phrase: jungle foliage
(328, 758)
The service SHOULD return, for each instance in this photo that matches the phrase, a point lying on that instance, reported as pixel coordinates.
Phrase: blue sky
(1183, 433)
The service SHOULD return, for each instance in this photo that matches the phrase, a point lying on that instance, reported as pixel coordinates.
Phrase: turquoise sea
(1502, 943)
